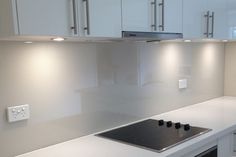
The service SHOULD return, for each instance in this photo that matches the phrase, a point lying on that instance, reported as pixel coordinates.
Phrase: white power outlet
(183, 84)
(18, 113)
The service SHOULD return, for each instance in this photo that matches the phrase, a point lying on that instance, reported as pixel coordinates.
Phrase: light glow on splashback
(208, 55)
(208, 59)
(43, 64)
(171, 55)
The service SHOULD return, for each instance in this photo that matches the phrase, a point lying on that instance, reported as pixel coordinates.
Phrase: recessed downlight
(58, 39)
(28, 42)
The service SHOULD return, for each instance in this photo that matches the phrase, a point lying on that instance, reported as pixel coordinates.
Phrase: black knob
(169, 124)
(177, 125)
(161, 122)
(187, 127)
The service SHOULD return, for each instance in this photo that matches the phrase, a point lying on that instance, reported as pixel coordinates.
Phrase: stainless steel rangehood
(150, 36)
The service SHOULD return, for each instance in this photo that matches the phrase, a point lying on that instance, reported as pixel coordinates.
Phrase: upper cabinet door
(101, 18)
(231, 23)
(218, 24)
(137, 15)
(44, 17)
(194, 20)
(152, 15)
(169, 16)
(206, 19)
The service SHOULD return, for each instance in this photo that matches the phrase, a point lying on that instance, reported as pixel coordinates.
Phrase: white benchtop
(217, 114)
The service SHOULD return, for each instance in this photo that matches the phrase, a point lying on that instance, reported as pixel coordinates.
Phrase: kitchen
(78, 75)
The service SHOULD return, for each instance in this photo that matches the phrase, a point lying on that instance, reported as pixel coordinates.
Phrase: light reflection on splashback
(76, 89)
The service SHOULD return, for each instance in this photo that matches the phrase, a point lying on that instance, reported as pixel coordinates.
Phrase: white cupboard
(223, 144)
(208, 19)
(94, 18)
(43, 17)
(173, 16)
(194, 20)
(218, 19)
(36, 18)
(231, 14)
(152, 15)
(137, 15)
(100, 18)
(234, 144)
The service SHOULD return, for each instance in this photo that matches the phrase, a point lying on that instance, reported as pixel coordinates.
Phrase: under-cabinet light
(28, 42)
(58, 39)
(187, 41)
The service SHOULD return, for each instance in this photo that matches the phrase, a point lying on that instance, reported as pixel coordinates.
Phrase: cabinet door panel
(194, 22)
(225, 146)
(173, 16)
(231, 13)
(219, 8)
(44, 17)
(137, 15)
(105, 18)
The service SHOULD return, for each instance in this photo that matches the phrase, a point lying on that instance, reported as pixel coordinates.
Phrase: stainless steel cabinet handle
(207, 16)
(87, 28)
(75, 23)
(212, 24)
(155, 15)
(162, 25)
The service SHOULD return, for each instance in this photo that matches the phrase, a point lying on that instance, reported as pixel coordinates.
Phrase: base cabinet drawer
(221, 147)
(212, 152)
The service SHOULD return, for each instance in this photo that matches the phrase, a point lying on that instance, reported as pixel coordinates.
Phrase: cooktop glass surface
(155, 135)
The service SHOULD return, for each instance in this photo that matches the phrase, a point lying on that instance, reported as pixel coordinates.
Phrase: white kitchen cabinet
(137, 15)
(218, 19)
(173, 16)
(43, 17)
(8, 18)
(206, 19)
(152, 15)
(194, 22)
(100, 18)
(200, 150)
(234, 144)
(225, 146)
(34, 17)
(231, 14)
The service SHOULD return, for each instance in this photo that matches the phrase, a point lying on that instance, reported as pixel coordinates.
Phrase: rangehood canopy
(150, 36)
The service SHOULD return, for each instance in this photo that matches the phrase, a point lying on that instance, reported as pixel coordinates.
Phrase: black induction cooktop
(155, 135)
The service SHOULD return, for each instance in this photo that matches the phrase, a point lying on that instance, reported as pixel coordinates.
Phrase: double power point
(18, 113)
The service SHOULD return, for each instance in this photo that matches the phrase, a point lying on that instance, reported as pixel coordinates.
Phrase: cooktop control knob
(161, 122)
(169, 124)
(177, 125)
(187, 127)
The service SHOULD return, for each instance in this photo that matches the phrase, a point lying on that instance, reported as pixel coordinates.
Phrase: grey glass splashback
(76, 89)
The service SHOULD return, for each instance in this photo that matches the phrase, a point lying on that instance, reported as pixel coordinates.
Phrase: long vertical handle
(155, 15)
(212, 24)
(75, 23)
(162, 25)
(87, 28)
(207, 16)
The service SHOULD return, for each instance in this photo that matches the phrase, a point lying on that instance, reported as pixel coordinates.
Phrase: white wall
(75, 89)
(230, 69)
